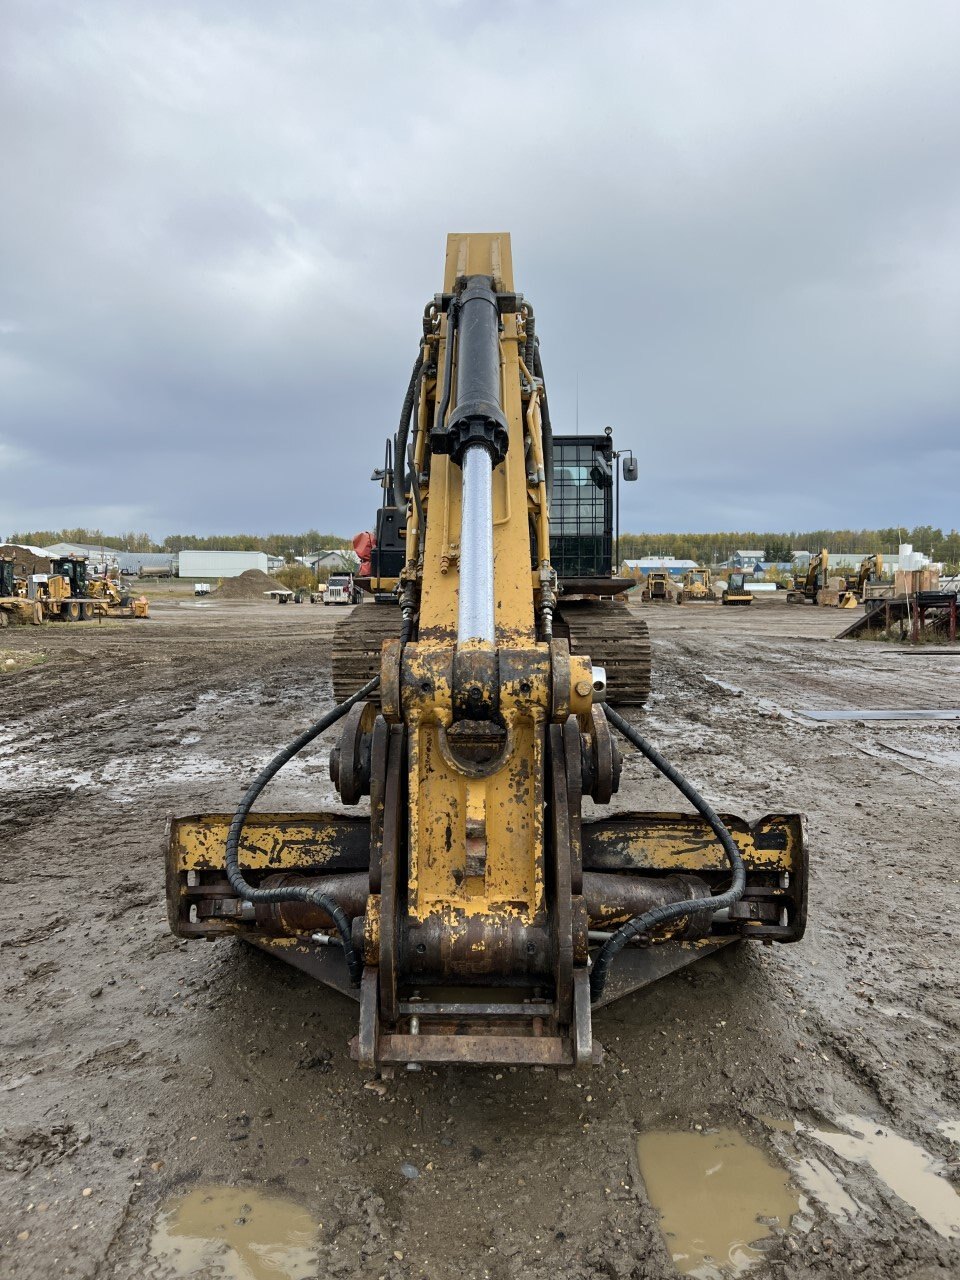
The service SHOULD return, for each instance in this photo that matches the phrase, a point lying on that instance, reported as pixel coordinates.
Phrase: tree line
(705, 548)
(714, 548)
(274, 544)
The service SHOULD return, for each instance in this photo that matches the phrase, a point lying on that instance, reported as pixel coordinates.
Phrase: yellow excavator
(809, 586)
(475, 912)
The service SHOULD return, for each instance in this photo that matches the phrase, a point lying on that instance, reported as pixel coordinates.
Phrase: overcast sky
(219, 222)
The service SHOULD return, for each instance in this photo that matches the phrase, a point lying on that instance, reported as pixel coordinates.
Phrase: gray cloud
(219, 223)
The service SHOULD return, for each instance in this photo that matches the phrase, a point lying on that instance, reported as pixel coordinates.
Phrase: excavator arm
(475, 913)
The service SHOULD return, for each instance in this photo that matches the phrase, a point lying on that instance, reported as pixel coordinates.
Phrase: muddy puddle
(719, 1198)
(907, 1169)
(722, 1200)
(236, 1233)
(893, 714)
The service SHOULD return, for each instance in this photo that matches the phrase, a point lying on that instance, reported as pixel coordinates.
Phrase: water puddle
(910, 1172)
(717, 1196)
(236, 1233)
(933, 714)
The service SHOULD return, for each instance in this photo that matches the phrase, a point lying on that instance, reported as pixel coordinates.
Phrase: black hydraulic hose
(317, 897)
(530, 328)
(441, 420)
(415, 490)
(546, 430)
(403, 432)
(646, 923)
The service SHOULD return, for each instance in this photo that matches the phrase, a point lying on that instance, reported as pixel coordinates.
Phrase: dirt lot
(135, 1067)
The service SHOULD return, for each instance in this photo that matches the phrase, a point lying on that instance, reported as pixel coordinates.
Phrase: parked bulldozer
(696, 588)
(475, 912)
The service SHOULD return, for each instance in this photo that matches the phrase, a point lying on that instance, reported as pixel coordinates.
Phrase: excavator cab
(462, 895)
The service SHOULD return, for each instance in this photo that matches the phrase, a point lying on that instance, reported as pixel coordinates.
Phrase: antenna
(578, 404)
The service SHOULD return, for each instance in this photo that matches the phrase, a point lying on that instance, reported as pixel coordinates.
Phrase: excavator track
(615, 638)
(357, 644)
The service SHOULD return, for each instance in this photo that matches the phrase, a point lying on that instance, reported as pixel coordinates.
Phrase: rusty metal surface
(350, 759)
(492, 1050)
(477, 946)
(637, 967)
(326, 964)
(613, 899)
(349, 892)
(392, 875)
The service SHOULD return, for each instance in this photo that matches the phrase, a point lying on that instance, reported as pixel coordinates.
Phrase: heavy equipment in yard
(809, 586)
(476, 913)
(14, 606)
(659, 586)
(67, 594)
(736, 591)
(696, 587)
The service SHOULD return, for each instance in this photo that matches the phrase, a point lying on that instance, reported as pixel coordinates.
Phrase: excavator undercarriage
(476, 914)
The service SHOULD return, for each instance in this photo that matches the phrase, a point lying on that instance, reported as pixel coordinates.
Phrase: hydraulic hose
(247, 891)
(645, 924)
(403, 432)
(441, 418)
(546, 429)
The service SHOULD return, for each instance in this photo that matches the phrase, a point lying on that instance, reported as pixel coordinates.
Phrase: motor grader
(696, 588)
(659, 586)
(14, 605)
(67, 594)
(475, 912)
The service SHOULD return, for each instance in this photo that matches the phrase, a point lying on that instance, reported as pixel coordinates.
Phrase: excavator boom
(475, 913)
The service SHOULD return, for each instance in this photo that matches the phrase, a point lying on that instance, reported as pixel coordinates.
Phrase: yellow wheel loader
(471, 908)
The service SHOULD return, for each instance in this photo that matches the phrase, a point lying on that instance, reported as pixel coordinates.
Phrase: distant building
(342, 559)
(746, 560)
(676, 568)
(221, 564)
(101, 559)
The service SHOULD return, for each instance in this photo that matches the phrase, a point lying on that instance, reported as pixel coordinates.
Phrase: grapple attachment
(629, 862)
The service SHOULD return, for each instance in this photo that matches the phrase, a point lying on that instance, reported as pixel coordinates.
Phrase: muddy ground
(135, 1066)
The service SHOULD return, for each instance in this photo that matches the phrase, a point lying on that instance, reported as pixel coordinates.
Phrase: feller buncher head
(475, 914)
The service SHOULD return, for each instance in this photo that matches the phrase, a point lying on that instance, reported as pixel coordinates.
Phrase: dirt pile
(249, 585)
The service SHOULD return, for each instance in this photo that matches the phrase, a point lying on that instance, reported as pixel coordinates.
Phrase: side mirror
(631, 469)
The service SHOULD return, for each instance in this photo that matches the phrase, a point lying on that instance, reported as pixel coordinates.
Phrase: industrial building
(221, 564)
(676, 568)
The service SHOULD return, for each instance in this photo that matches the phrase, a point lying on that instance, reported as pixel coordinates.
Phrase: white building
(221, 564)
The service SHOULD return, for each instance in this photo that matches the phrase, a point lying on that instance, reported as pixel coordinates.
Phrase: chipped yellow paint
(270, 841)
(682, 842)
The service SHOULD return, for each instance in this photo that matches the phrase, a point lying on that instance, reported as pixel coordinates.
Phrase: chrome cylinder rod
(475, 611)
